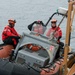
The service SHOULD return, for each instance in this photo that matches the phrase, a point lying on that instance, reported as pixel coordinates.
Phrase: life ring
(33, 47)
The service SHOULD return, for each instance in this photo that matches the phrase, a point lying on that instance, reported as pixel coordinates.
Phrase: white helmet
(12, 21)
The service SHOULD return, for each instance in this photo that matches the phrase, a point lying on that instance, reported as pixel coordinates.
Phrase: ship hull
(9, 68)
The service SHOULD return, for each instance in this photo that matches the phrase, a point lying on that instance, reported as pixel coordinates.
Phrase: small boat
(28, 56)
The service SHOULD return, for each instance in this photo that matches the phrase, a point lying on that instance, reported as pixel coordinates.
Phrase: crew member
(37, 26)
(9, 34)
(56, 32)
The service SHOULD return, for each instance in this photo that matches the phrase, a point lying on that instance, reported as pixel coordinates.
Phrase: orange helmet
(12, 21)
(53, 20)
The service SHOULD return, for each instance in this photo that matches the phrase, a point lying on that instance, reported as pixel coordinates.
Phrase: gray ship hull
(9, 68)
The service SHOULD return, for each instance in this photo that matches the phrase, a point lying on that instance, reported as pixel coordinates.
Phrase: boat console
(36, 59)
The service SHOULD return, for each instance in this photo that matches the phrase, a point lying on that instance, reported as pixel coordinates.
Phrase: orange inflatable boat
(5, 51)
(53, 70)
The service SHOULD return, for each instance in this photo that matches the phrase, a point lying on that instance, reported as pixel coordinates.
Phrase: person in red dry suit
(56, 32)
(37, 26)
(9, 34)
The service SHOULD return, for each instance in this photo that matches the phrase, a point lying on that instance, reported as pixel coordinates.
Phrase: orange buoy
(5, 51)
(33, 47)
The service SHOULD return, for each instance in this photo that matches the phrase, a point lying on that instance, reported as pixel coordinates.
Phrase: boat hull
(5, 51)
(9, 68)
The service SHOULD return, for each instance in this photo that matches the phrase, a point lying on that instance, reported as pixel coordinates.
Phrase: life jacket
(57, 32)
(8, 31)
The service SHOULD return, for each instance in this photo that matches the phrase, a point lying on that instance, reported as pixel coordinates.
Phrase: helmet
(38, 22)
(12, 21)
(53, 20)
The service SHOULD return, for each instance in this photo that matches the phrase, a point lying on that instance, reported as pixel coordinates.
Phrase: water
(27, 11)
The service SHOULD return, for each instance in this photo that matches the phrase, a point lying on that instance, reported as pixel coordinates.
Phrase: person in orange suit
(9, 34)
(55, 32)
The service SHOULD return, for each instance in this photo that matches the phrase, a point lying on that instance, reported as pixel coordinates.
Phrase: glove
(59, 38)
(20, 36)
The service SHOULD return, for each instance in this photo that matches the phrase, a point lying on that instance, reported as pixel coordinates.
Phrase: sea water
(27, 11)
